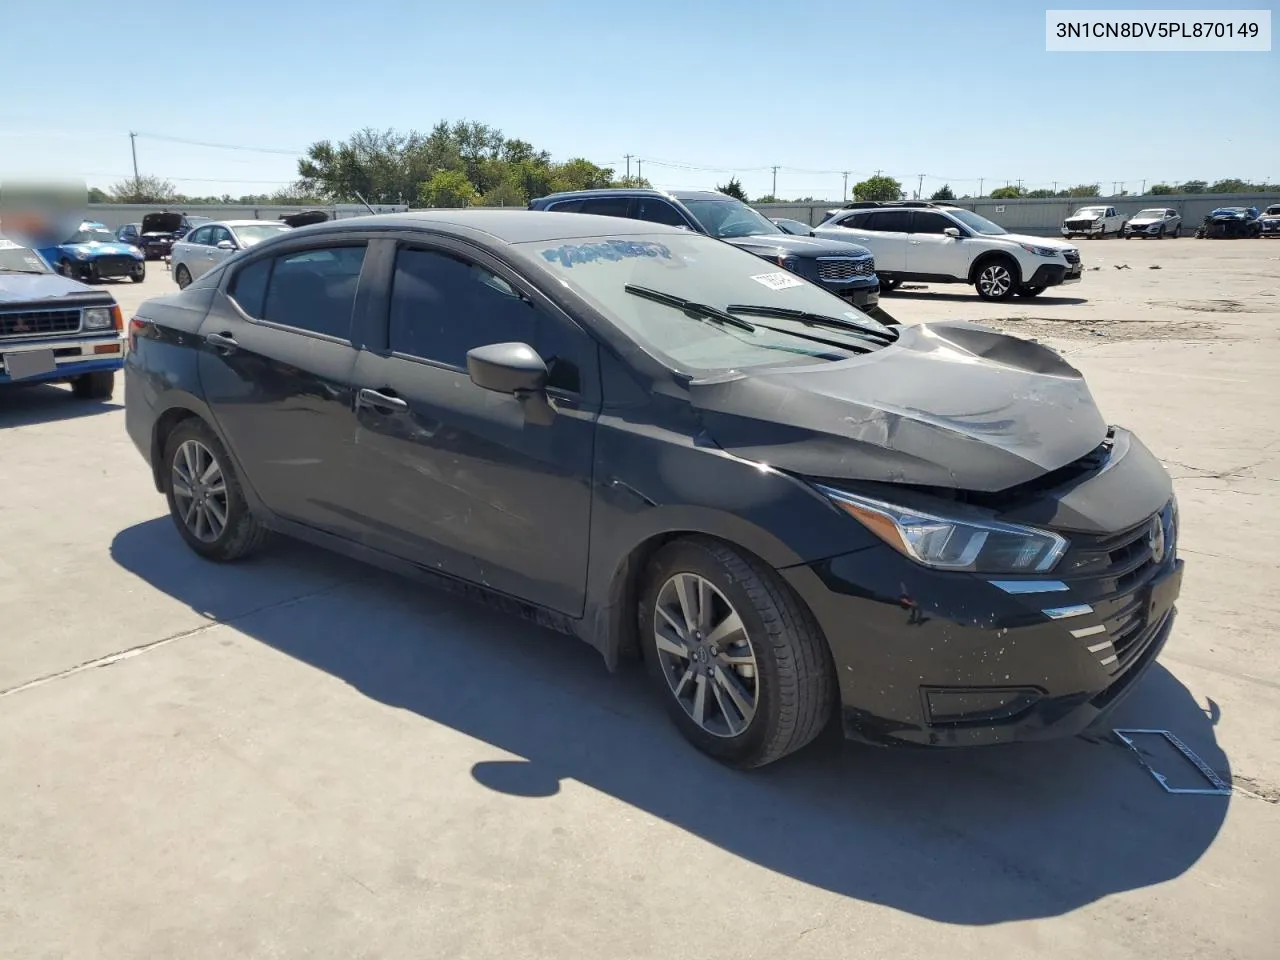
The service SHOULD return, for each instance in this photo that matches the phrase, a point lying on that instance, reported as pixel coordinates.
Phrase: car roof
(639, 192)
(509, 225)
(242, 223)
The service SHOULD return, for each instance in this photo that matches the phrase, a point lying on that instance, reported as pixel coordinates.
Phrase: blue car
(92, 253)
(54, 328)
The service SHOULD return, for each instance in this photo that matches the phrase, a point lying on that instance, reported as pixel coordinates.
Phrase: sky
(697, 93)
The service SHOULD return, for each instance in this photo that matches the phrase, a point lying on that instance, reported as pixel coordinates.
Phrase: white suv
(936, 243)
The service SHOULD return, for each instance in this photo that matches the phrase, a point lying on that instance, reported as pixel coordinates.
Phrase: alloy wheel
(995, 280)
(199, 491)
(706, 655)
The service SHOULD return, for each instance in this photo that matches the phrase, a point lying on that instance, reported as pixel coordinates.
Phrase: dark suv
(846, 269)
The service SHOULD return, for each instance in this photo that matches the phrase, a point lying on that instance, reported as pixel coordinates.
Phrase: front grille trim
(48, 322)
(837, 269)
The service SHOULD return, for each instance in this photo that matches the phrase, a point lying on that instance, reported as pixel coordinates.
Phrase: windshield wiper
(699, 311)
(813, 320)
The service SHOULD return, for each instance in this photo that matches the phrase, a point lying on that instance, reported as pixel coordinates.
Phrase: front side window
(442, 306)
(856, 221)
(658, 211)
(924, 222)
(702, 270)
(217, 235)
(730, 218)
(606, 206)
(200, 236)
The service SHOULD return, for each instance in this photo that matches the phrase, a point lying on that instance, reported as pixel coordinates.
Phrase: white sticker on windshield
(778, 281)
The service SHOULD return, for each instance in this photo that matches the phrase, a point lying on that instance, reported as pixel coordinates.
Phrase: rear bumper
(73, 356)
(950, 659)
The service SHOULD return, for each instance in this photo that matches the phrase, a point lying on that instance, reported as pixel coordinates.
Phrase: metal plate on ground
(29, 363)
(1217, 786)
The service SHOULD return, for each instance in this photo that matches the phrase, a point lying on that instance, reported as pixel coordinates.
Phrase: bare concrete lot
(303, 757)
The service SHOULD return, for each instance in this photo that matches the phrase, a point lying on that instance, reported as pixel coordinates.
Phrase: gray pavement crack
(130, 652)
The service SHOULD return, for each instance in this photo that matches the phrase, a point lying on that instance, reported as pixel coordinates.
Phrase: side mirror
(515, 369)
(953, 232)
(226, 245)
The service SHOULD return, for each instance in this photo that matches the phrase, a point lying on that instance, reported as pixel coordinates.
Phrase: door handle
(223, 341)
(379, 400)
(915, 243)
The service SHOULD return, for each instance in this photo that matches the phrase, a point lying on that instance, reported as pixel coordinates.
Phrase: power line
(218, 146)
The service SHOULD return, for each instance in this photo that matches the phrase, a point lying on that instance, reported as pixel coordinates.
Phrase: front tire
(139, 272)
(1177, 231)
(888, 286)
(997, 279)
(182, 276)
(741, 665)
(1029, 291)
(99, 385)
(206, 501)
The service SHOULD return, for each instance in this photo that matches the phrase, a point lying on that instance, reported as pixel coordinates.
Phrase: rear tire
(206, 502)
(997, 279)
(754, 665)
(182, 276)
(99, 385)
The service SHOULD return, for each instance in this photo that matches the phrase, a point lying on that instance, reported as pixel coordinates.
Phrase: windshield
(249, 234)
(1149, 215)
(15, 258)
(1273, 210)
(730, 218)
(87, 234)
(978, 224)
(698, 269)
(1091, 212)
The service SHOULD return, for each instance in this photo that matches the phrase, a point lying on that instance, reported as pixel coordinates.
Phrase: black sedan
(631, 433)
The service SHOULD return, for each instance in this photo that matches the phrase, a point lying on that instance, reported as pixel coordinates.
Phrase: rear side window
(311, 290)
(566, 206)
(891, 221)
(606, 206)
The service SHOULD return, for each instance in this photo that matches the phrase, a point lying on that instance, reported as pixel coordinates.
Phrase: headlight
(1040, 251)
(948, 543)
(788, 263)
(98, 318)
(81, 254)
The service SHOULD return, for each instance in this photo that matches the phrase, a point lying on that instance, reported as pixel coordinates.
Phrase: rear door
(463, 483)
(883, 232)
(276, 364)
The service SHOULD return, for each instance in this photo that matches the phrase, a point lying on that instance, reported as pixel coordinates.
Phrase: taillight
(136, 326)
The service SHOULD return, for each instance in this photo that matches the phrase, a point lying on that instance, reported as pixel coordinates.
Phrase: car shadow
(22, 404)
(963, 837)
(932, 294)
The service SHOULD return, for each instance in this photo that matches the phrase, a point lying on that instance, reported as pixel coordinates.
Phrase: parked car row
(158, 232)
(791, 512)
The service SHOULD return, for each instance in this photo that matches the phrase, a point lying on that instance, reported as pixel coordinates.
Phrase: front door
(276, 366)
(465, 485)
(931, 252)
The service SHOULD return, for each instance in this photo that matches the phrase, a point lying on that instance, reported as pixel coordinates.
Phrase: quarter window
(442, 306)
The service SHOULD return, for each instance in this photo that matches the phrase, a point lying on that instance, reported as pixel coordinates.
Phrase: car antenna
(364, 201)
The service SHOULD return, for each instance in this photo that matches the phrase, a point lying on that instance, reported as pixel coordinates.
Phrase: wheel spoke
(211, 473)
(687, 603)
(191, 458)
(189, 512)
(180, 486)
(217, 513)
(672, 645)
(700, 700)
(200, 521)
(675, 624)
(683, 684)
(727, 632)
(733, 722)
(740, 697)
(736, 657)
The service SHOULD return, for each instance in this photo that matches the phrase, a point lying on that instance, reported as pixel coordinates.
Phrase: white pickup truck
(1093, 222)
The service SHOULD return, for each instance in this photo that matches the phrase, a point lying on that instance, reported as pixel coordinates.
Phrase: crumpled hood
(26, 287)
(1090, 217)
(951, 404)
(161, 222)
(770, 244)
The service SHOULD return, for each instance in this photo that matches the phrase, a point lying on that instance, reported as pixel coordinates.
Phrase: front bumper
(1082, 230)
(1055, 274)
(953, 659)
(72, 356)
(863, 296)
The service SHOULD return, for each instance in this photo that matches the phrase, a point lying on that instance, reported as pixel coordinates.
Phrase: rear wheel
(997, 279)
(182, 276)
(741, 666)
(1177, 231)
(206, 501)
(100, 385)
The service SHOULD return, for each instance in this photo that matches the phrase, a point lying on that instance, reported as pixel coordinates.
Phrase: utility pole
(628, 156)
(639, 174)
(133, 146)
(1144, 188)
(980, 182)
(845, 195)
(1019, 185)
(920, 187)
(1055, 186)
(774, 192)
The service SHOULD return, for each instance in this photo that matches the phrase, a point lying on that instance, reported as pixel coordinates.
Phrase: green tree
(635, 183)
(1084, 190)
(1161, 189)
(1041, 194)
(1231, 186)
(1006, 193)
(505, 194)
(1193, 186)
(580, 174)
(768, 198)
(448, 188)
(944, 194)
(878, 187)
(144, 189)
(98, 195)
(733, 189)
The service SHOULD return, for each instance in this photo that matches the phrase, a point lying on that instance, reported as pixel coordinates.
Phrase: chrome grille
(28, 323)
(837, 269)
